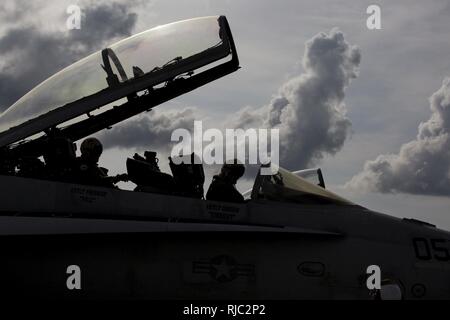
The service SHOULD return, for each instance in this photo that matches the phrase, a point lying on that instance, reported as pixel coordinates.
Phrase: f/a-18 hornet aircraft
(291, 239)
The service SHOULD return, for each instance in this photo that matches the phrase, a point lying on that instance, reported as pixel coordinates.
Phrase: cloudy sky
(370, 107)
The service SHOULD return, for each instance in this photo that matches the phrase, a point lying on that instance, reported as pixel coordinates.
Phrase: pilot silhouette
(223, 186)
(88, 169)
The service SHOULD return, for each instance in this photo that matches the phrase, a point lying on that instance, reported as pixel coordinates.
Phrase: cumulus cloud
(422, 166)
(29, 54)
(309, 109)
(150, 131)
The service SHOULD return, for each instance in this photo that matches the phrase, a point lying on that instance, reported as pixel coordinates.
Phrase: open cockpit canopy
(144, 61)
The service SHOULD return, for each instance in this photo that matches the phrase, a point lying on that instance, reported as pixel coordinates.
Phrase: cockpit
(140, 72)
(134, 66)
(302, 187)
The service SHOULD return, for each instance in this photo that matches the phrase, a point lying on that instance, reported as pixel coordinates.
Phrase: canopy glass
(148, 51)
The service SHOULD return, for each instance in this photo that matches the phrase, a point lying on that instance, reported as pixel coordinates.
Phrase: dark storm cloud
(30, 55)
(103, 23)
(309, 109)
(422, 166)
(151, 131)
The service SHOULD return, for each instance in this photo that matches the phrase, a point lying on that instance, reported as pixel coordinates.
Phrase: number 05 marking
(431, 249)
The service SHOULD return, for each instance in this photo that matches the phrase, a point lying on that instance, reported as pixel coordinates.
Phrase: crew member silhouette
(223, 186)
(87, 166)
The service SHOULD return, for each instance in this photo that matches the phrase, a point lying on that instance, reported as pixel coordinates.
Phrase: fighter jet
(291, 239)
